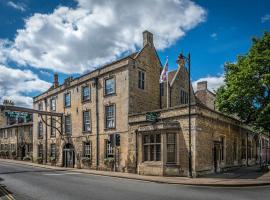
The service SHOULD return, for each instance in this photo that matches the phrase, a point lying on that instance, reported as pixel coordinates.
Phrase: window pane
(141, 80)
(152, 138)
(158, 138)
(85, 93)
(67, 99)
(53, 130)
(146, 152)
(152, 152)
(109, 149)
(53, 104)
(110, 116)
(68, 125)
(146, 138)
(87, 150)
(109, 86)
(86, 121)
(158, 152)
(171, 145)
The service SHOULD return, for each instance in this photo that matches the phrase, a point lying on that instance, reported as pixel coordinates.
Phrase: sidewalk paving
(248, 176)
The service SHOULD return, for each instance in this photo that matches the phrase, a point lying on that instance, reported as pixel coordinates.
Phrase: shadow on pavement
(28, 171)
(252, 172)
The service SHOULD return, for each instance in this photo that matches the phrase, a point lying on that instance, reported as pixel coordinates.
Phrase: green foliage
(86, 159)
(108, 161)
(52, 159)
(27, 158)
(246, 92)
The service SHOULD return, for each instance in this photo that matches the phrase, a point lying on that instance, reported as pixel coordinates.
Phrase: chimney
(202, 85)
(55, 83)
(148, 38)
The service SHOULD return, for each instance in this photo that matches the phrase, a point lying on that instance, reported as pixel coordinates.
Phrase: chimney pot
(55, 83)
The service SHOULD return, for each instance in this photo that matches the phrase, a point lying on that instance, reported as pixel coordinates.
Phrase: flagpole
(168, 90)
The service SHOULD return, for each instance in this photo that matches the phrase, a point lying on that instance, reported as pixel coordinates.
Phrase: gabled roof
(171, 75)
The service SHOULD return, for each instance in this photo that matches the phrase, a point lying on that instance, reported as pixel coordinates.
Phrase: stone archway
(68, 155)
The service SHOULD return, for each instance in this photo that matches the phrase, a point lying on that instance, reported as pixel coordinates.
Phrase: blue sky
(214, 32)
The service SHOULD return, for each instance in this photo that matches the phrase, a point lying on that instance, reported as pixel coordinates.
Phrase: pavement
(26, 182)
(243, 177)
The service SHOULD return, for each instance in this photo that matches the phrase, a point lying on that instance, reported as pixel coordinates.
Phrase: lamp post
(181, 60)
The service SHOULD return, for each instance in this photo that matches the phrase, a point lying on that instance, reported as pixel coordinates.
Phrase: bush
(86, 159)
(39, 159)
(108, 161)
(26, 158)
(52, 159)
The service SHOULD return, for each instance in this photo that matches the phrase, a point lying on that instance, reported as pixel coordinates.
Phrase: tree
(246, 92)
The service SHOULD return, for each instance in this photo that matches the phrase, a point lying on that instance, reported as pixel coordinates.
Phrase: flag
(164, 73)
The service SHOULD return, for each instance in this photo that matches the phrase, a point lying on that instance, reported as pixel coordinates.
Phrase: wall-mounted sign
(151, 116)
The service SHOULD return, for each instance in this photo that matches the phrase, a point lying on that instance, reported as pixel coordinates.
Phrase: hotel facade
(117, 118)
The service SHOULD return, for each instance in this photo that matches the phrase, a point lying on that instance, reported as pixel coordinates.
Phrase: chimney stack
(202, 85)
(148, 38)
(55, 83)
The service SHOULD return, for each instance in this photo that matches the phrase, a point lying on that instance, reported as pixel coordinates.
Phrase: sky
(72, 37)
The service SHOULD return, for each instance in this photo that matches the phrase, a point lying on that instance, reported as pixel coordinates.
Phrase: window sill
(67, 106)
(171, 164)
(86, 132)
(86, 101)
(108, 95)
(152, 162)
(110, 129)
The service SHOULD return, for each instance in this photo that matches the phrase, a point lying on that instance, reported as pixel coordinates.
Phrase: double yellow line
(7, 195)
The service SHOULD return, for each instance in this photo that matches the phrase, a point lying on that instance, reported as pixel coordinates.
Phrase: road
(27, 183)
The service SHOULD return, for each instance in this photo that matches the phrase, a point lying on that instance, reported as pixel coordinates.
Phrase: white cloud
(214, 36)
(213, 82)
(96, 32)
(265, 18)
(16, 84)
(17, 6)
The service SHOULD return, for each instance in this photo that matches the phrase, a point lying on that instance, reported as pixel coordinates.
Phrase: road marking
(53, 174)
(68, 173)
(71, 173)
(9, 196)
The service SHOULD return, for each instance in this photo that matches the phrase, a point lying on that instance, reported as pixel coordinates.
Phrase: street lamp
(182, 60)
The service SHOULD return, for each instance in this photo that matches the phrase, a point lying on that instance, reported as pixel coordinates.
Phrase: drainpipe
(46, 135)
(97, 124)
(247, 150)
(260, 144)
(136, 146)
(189, 120)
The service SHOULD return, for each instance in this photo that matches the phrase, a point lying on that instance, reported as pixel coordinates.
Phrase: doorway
(68, 156)
(216, 156)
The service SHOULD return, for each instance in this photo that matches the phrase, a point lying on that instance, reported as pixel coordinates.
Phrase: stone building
(96, 108)
(116, 118)
(16, 139)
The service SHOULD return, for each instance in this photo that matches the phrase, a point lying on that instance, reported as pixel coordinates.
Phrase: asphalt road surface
(27, 183)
